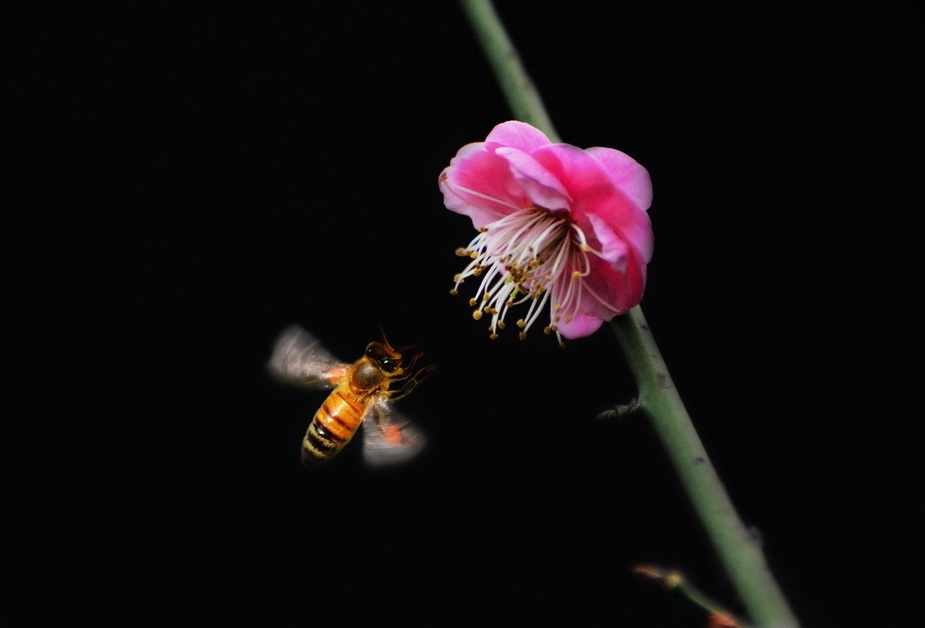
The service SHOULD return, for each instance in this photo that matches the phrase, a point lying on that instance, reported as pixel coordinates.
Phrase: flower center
(531, 255)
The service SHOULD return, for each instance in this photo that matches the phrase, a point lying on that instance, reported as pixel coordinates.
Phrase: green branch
(515, 83)
(736, 548)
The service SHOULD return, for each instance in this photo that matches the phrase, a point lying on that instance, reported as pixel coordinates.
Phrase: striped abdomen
(335, 423)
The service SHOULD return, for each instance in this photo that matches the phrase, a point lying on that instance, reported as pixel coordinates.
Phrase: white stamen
(531, 254)
(455, 187)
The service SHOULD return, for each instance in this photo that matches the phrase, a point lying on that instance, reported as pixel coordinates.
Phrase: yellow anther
(477, 314)
(454, 292)
(521, 323)
(493, 337)
(547, 330)
(472, 302)
(522, 335)
(461, 252)
(500, 324)
(474, 254)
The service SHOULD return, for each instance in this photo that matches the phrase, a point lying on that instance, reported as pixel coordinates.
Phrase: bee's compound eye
(388, 364)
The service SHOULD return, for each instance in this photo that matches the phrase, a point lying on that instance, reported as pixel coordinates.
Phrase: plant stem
(515, 83)
(736, 548)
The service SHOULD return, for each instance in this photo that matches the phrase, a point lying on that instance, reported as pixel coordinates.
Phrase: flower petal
(576, 169)
(612, 247)
(518, 135)
(580, 326)
(480, 184)
(611, 292)
(620, 214)
(626, 173)
(543, 188)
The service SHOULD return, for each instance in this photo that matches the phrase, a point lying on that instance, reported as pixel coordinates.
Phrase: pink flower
(556, 224)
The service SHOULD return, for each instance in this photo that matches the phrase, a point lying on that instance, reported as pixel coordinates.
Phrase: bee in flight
(363, 395)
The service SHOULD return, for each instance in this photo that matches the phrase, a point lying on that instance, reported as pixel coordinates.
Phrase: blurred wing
(388, 437)
(300, 360)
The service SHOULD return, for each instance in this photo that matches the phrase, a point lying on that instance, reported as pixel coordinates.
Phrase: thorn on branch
(620, 411)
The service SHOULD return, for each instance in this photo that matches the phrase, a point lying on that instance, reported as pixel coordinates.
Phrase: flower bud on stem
(675, 582)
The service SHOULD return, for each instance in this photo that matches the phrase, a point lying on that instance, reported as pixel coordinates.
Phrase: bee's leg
(408, 369)
(411, 383)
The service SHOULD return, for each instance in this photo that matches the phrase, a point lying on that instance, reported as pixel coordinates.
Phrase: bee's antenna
(385, 341)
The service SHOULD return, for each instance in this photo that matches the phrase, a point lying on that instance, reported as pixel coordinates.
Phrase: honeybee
(363, 395)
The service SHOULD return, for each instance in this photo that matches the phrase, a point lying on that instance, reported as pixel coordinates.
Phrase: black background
(199, 177)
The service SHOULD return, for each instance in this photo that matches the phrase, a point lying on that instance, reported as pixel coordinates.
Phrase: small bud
(668, 578)
(719, 619)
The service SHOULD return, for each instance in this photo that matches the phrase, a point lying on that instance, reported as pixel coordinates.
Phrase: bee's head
(385, 356)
